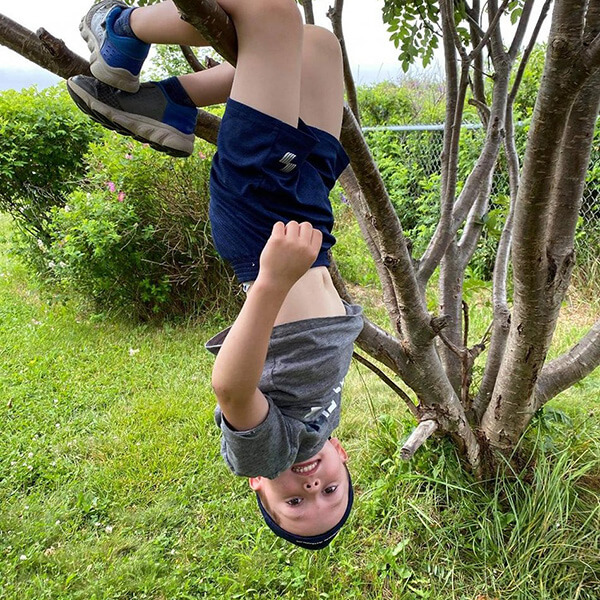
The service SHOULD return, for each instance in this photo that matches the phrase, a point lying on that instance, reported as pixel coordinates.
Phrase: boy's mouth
(306, 468)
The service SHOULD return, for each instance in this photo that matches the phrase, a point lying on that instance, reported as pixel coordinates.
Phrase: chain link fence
(417, 149)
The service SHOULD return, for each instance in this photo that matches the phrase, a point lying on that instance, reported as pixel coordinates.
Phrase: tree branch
(335, 16)
(397, 389)
(309, 15)
(424, 430)
(42, 48)
(360, 209)
(192, 59)
(569, 368)
(522, 28)
(490, 30)
(527, 53)
(213, 23)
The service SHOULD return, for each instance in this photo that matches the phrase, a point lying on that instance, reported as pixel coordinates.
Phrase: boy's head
(308, 503)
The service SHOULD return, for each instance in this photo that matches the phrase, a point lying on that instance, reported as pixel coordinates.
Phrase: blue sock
(176, 92)
(122, 26)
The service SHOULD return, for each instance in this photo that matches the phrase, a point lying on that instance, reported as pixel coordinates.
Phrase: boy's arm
(288, 254)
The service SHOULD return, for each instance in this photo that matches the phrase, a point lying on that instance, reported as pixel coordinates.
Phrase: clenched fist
(289, 252)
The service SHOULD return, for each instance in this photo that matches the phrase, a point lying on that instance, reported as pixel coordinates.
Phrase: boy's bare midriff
(312, 296)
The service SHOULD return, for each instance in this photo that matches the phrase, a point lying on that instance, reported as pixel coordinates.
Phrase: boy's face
(310, 497)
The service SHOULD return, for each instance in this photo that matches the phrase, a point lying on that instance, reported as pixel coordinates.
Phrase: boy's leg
(119, 38)
(162, 24)
(267, 76)
(161, 113)
(322, 82)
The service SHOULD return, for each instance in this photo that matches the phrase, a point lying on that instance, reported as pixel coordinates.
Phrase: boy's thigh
(268, 69)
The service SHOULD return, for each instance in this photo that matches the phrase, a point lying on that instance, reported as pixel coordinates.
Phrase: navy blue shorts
(266, 171)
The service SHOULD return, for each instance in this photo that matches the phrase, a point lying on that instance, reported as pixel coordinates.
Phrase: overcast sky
(372, 55)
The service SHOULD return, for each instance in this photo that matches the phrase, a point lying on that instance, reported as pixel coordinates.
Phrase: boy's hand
(289, 253)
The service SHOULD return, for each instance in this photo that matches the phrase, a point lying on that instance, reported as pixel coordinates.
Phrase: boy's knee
(320, 42)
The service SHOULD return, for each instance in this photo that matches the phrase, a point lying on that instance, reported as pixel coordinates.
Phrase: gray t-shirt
(302, 381)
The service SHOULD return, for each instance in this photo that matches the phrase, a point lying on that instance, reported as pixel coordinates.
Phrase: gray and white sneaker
(149, 115)
(115, 60)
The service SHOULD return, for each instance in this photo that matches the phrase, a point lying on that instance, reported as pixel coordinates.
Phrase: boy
(279, 369)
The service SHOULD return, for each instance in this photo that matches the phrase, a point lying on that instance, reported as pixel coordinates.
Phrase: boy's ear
(339, 449)
(255, 483)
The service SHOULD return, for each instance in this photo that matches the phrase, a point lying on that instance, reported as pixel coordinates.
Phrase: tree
(429, 353)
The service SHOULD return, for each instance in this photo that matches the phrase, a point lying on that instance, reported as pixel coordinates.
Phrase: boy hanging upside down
(279, 369)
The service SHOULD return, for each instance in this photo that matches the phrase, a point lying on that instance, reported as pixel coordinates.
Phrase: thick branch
(572, 167)
(541, 272)
(571, 367)
(42, 48)
(213, 23)
(395, 254)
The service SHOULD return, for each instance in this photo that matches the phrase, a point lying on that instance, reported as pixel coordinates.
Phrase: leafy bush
(413, 101)
(43, 138)
(135, 237)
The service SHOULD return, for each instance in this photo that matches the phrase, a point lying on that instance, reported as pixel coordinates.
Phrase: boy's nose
(312, 485)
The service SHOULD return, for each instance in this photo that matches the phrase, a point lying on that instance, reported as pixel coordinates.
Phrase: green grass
(112, 487)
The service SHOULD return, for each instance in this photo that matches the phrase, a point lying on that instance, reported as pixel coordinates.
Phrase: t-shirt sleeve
(266, 450)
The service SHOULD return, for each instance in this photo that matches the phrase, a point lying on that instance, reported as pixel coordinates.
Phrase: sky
(372, 55)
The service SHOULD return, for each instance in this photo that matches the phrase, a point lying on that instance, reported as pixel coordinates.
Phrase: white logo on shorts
(286, 161)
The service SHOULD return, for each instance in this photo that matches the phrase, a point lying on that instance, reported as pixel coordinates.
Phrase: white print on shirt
(325, 411)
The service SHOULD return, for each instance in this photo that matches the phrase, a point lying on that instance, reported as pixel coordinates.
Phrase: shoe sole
(122, 79)
(159, 136)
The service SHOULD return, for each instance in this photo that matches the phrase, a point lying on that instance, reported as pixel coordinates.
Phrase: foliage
(416, 31)
(414, 101)
(135, 237)
(43, 138)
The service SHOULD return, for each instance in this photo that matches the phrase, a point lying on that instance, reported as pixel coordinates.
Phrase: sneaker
(116, 60)
(148, 116)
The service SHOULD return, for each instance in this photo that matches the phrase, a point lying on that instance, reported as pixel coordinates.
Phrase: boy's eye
(330, 489)
(294, 501)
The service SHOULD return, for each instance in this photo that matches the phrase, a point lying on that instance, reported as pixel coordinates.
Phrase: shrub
(43, 137)
(136, 236)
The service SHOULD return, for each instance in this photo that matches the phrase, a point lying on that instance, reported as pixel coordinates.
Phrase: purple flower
(129, 156)
(344, 199)
(111, 186)
(121, 196)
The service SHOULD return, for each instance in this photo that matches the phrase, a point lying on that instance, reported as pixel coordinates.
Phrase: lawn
(112, 487)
